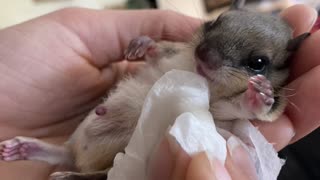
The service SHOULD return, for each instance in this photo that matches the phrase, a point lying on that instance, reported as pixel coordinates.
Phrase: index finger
(301, 18)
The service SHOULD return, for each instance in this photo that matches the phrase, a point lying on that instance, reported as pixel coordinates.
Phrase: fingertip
(301, 18)
(304, 107)
(239, 163)
(177, 26)
(306, 57)
(279, 132)
(161, 162)
(182, 161)
(220, 171)
(168, 161)
(240, 158)
(200, 168)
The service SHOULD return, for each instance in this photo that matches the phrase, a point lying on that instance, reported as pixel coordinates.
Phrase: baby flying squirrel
(243, 55)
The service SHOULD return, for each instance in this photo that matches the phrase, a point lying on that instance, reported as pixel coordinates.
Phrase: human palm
(54, 69)
(48, 77)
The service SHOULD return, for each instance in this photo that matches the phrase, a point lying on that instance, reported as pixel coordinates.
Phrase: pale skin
(54, 69)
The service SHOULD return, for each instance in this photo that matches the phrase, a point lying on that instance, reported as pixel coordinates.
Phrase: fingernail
(219, 170)
(200, 167)
(316, 26)
(161, 157)
(173, 144)
(293, 134)
(206, 160)
(240, 157)
(315, 17)
(233, 144)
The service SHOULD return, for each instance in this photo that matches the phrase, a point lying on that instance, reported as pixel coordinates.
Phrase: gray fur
(237, 4)
(236, 36)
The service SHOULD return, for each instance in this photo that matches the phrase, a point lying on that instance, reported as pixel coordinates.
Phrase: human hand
(290, 127)
(169, 161)
(299, 117)
(55, 68)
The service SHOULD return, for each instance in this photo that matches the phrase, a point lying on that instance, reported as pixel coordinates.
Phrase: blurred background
(16, 11)
(302, 158)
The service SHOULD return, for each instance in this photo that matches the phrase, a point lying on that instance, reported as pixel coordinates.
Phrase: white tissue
(267, 162)
(189, 130)
(180, 101)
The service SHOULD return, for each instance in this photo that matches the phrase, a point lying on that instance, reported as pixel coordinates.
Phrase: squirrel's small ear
(295, 43)
(237, 4)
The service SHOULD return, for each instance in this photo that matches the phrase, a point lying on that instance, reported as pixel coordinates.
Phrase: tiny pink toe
(137, 52)
(263, 95)
(6, 158)
(6, 154)
(261, 77)
(266, 84)
(12, 144)
(269, 102)
(8, 149)
(129, 56)
(253, 78)
(11, 158)
(251, 81)
(268, 92)
(256, 87)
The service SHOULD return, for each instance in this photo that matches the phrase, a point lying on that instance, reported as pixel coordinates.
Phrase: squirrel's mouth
(202, 71)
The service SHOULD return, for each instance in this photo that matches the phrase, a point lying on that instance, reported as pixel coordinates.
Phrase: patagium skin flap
(242, 55)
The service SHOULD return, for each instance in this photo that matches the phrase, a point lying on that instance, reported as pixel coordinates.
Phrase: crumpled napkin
(178, 104)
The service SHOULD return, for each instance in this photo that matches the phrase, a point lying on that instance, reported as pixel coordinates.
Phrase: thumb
(169, 161)
(106, 34)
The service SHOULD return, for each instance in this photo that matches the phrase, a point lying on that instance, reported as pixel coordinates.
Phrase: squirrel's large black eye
(258, 63)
